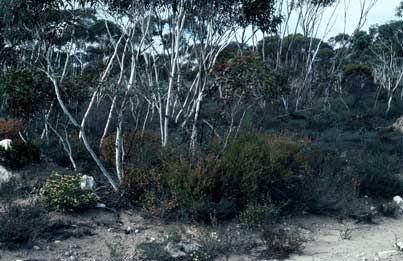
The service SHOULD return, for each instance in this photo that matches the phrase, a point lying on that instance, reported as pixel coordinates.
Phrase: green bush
(25, 92)
(255, 168)
(256, 216)
(376, 175)
(20, 224)
(280, 243)
(142, 150)
(20, 155)
(252, 170)
(63, 193)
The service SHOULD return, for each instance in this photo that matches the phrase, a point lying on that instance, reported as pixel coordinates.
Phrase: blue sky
(383, 11)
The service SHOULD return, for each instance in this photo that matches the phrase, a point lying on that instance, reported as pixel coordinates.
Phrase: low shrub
(252, 170)
(10, 190)
(376, 175)
(256, 216)
(20, 224)
(64, 194)
(20, 155)
(142, 149)
(280, 243)
(9, 128)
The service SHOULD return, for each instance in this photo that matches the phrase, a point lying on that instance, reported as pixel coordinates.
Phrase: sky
(382, 12)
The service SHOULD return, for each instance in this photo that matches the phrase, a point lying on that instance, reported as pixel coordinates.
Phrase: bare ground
(91, 236)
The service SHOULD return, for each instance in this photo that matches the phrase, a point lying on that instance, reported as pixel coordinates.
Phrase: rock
(128, 230)
(5, 175)
(100, 205)
(6, 144)
(384, 255)
(398, 125)
(174, 251)
(399, 201)
(87, 183)
(36, 248)
(189, 247)
(399, 245)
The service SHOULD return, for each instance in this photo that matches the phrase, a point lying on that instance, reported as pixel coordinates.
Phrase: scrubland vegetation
(198, 112)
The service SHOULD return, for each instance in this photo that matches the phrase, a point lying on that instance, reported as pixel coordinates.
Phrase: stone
(384, 255)
(87, 183)
(100, 205)
(36, 248)
(128, 230)
(189, 247)
(6, 144)
(399, 201)
(174, 251)
(399, 245)
(5, 175)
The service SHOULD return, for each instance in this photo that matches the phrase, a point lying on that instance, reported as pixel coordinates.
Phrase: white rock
(37, 248)
(174, 251)
(87, 183)
(399, 245)
(399, 201)
(6, 144)
(384, 255)
(100, 205)
(5, 175)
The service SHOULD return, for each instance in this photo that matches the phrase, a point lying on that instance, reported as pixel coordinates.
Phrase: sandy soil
(91, 235)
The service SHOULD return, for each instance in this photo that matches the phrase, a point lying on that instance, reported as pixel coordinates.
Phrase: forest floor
(98, 234)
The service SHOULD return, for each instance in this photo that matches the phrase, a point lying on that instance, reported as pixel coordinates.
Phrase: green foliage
(10, 191)
(25, 92)
(252, 170)
(20, 155)
(154, 251)
(142, 150)
(20, 224)
(377, 175)
(64, 194)
(280, 243)
(255, 168)
(255, 216)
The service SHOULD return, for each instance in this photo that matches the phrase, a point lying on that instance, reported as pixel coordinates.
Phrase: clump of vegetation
(10, 190)
(154, 251)
(280, 243)
(20, 224)
(20, 154)
(64, 194)
(253, 168)
(9, 128)
(255, 216)
(377, 175)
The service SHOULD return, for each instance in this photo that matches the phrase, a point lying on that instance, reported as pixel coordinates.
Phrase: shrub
(25, 92)
(10, 190)
(252, 170)
(256, 168)
(20, 224)
(63, 193)
(255, 216)
(20, 155)
(280, 243)
(142, 150)
(9, 128)
(375, 175)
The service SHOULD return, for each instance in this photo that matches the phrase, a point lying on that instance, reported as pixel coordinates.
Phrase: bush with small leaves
(20, 224)
(64, 194)
(20, 155)
(256, 216)
(279, 242)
